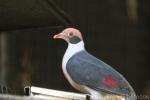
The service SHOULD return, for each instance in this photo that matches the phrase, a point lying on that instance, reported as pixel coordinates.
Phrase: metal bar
(49, 93)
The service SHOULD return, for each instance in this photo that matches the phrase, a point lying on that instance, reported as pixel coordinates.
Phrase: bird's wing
(87, 70)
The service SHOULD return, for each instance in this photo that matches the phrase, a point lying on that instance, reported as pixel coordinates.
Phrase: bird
(90, 75)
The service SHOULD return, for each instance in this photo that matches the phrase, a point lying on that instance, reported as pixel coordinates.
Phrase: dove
(90, 75)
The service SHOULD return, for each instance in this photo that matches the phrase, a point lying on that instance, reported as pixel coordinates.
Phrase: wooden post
(3, 58)
(132, 10)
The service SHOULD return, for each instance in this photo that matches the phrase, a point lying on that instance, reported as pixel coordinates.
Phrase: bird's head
(70, 35)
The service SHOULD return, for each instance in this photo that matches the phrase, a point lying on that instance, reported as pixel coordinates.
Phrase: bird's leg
(94, 95)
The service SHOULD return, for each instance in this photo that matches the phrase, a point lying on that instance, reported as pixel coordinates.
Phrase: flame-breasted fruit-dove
(90, 75)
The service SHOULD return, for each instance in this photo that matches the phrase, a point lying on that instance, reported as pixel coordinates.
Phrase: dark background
(115, 31)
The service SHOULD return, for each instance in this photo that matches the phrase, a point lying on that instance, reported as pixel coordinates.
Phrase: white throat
(71, 50)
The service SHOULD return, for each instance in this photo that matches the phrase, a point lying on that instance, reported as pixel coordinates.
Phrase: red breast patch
(109, 81)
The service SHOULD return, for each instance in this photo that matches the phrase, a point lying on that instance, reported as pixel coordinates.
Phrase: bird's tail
(131, 97)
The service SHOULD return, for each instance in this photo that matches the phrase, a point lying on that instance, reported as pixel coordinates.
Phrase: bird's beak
(60, 35)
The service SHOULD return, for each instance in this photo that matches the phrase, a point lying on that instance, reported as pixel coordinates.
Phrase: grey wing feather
(87, 70)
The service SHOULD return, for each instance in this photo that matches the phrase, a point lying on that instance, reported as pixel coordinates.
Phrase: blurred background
(115, 31)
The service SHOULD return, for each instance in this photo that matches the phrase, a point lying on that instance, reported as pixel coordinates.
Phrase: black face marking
(74, 39)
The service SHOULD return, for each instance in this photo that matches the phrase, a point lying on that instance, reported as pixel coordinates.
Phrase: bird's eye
(70, 34)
